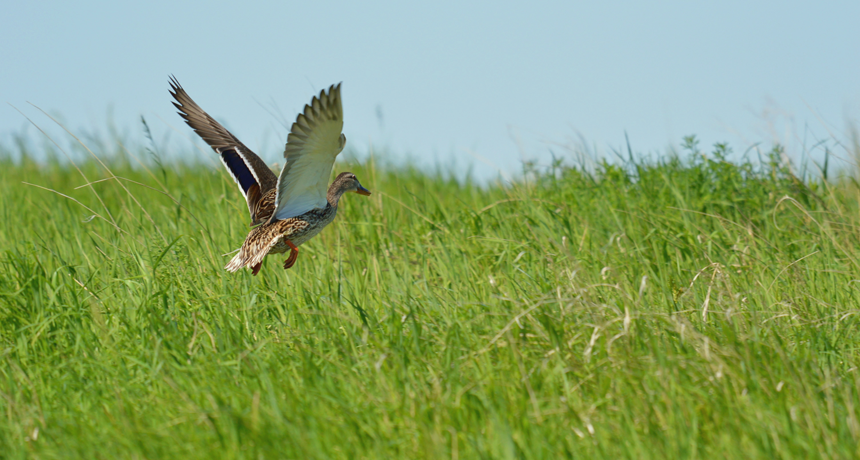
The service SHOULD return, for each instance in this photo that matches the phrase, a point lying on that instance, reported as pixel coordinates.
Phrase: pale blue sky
(450, 78)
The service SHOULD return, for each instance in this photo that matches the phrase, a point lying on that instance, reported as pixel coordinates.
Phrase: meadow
(679, 307)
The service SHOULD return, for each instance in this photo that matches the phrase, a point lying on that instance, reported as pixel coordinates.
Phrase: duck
(289, 209)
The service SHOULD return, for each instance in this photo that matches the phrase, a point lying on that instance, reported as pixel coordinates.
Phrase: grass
(678, 308)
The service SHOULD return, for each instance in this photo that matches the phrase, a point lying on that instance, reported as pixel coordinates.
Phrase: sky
(447, 83)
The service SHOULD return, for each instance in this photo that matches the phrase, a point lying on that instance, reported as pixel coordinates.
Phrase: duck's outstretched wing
(314, 141)
(247, 169)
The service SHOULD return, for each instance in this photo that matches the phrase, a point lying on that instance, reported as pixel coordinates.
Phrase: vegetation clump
(688, 307)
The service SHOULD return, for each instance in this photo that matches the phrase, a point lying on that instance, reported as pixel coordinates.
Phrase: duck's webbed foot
(294, 254)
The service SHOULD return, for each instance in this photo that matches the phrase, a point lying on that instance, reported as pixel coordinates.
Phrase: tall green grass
(685, 307)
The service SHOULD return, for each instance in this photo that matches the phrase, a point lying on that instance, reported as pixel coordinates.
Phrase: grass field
(678, 308)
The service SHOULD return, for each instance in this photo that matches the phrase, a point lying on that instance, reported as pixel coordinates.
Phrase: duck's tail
(238, 261)
(251, 253)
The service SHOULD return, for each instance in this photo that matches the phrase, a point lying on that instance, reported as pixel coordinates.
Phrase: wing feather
(314, 142)
(249, 171)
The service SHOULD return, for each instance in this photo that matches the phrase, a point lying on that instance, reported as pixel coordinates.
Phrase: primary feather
(254, 178)
(314, 142)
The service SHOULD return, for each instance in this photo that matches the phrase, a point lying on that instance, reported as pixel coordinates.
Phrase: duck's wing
(314, 141)
(247, 169)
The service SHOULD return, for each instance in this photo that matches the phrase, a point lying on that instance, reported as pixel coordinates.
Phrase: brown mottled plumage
(294, 206)
(274, 238)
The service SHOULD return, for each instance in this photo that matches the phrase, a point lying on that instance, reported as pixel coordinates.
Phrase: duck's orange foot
(294, 254)
(256, 268)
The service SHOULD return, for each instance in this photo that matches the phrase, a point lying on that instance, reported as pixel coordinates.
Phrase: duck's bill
(363, 191)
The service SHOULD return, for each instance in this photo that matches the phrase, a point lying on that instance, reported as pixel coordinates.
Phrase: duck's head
(343, 183)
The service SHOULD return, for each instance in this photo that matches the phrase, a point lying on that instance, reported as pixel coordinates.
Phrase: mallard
(291, 208)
